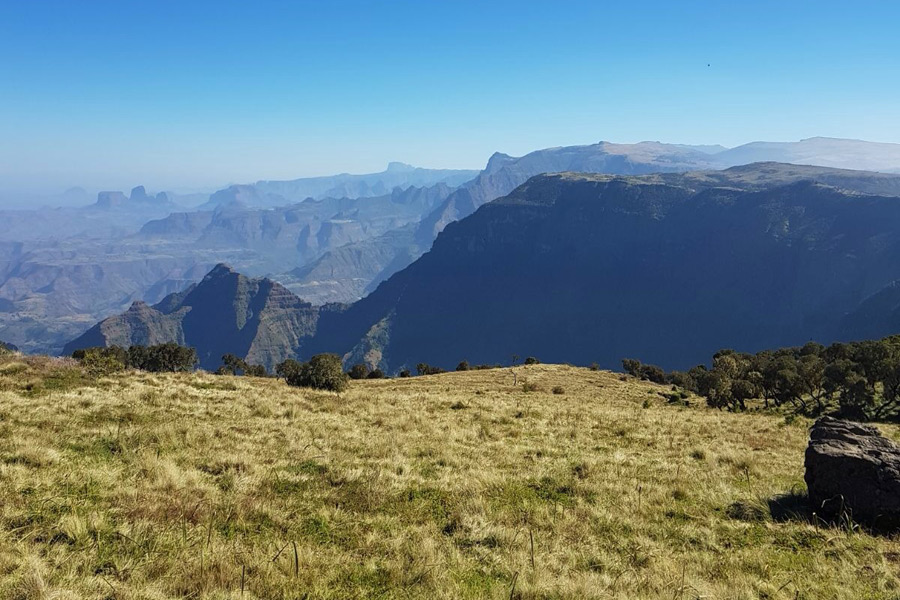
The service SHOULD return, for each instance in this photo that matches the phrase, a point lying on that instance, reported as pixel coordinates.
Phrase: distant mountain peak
(220, 270)
(825, 138)
(399, 167)
(110, 199)
(498, 160)
(139, 194)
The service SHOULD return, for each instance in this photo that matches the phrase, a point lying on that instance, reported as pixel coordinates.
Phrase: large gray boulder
(853, 470)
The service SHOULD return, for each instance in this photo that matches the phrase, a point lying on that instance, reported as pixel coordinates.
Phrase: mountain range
(267, 194)
(504, 173)
(581, 268)
(63, 269)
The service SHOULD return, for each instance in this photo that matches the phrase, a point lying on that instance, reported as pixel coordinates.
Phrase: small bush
(101, 364)
(463, 366)
(532, 361)
(322, 372)
(646, 372)
(358, 371)
(653, 373)
(558, 389)
(426, 369)
(528, 386)
(232, 365)
(288, 368)
(632, 366)
(169, 357)
(376, 374)
(404, 373)
(256, 371)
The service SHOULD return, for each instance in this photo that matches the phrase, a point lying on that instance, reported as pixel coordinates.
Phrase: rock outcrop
(853, 470)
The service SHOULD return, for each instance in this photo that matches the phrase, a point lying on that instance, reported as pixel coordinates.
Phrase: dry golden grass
(449, 486)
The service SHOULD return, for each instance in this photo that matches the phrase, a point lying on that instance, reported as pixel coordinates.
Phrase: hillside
(453, 486)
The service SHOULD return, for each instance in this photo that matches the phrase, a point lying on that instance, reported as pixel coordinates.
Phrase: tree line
(160, 358)
(858, 380)
(322, 371)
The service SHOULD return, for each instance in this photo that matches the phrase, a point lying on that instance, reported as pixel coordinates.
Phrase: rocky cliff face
(502, 174)
(667, 268)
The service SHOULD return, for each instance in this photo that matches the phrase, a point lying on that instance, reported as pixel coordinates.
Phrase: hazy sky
(111, 94)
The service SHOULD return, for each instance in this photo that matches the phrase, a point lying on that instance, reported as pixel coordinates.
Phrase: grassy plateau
(461, 485)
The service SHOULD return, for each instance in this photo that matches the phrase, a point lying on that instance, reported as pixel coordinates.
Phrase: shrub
(232, 365)
(288, 368)
(426, 369)
(404, 373)
(528, 386)
(463, 366)
(170, 357)
(358, 371)
(322, 372)
(653, 373)
(682, 380)
(376, 374)
(632, 366)
(256, 371)
(138, 356)
(532, 361)
(98, 363)
(167, 357)
(558, 389)
(646, 372)
(594, 367)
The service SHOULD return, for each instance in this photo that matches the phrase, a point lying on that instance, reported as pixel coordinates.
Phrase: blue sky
(179, 95)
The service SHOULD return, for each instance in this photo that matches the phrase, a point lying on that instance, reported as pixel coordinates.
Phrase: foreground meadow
(451, 486)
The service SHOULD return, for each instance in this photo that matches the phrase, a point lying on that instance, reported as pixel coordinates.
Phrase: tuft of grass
(530, 386)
